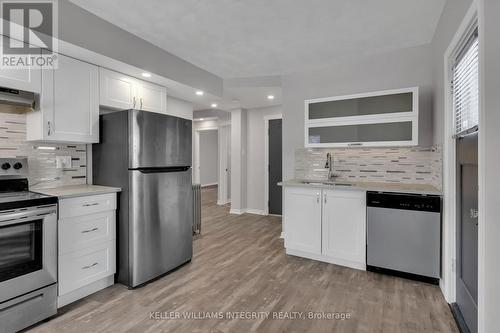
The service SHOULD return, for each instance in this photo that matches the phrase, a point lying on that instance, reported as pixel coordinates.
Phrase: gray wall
(489, 223)
(208, 157)
(453, 13)
(82, 28)
(398, 69)
(255, 156)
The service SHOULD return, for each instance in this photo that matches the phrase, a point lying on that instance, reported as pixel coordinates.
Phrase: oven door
(28, 250)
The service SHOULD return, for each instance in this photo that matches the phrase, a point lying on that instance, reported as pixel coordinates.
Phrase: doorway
(208, 166)
(273, 164)
(461, 174)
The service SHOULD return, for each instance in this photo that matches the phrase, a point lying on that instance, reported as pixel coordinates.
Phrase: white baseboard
(282, 236)
(247, 211)
(85, 291)
(330, 260)
(255, 211)
(210, 184)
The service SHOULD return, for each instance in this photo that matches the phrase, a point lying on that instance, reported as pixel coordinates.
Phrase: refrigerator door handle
(163, 170)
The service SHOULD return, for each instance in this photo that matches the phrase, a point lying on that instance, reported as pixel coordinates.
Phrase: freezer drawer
(161, 219)
(404, 240)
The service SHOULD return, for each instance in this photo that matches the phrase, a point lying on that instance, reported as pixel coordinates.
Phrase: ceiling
(237, 38)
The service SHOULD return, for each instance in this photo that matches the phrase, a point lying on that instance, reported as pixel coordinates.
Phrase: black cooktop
(13, 200)
(14, 194)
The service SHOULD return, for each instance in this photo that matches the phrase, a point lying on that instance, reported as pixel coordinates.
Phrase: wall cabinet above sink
(383, 118)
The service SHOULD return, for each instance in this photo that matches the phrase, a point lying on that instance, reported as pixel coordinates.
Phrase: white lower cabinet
(344, 226)
(87, 246)
(326, 225)
(303, 219)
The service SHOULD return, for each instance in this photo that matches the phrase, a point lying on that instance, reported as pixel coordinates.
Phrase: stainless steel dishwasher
(404, 235)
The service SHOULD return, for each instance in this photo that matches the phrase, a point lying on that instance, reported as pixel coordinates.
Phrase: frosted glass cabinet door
(362, 133)
(363, 106)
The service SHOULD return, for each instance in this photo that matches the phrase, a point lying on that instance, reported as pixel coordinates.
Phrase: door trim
(448, 279)
(266, 158)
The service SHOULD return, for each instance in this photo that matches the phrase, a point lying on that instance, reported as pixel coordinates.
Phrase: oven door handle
(25, 216)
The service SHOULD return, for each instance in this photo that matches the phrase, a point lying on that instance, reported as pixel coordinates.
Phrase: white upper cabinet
(122, 92)
(117, 91)
(29, 79)
(69, 110)
(344, 224)
(152, 97)
(382, 118)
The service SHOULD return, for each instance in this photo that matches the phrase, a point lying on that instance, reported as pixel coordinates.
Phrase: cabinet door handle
(134, 103)
(49, 129)
(89, 230)
(141, 103)
(90, 266)
(354, 144)
(317, 197)
(92, 204)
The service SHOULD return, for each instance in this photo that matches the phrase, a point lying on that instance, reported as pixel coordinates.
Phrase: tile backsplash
(415, 165)
(42, 163)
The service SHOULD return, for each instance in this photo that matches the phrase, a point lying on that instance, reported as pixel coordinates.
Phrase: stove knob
(17, 166)
(6, 166)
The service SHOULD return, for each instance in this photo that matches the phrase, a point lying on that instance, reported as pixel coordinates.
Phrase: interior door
(161, 220)
(467, 228)
(275, 166)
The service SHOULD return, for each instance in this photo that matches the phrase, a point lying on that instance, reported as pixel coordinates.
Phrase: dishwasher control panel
(427, 203)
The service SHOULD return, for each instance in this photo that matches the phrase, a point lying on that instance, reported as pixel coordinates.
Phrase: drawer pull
(89, 230)
(92, 204)
(90, 266)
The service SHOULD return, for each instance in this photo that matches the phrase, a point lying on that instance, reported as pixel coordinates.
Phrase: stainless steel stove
(28, 250)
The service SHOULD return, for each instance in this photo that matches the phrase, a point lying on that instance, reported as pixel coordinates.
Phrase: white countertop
(367, 186)
(72, 191)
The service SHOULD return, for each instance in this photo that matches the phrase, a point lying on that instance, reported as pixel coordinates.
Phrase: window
(465, 86)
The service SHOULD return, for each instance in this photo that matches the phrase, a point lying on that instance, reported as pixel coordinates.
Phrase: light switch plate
(63, 162)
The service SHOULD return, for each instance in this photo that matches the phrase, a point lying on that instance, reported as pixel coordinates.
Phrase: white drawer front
(87, 205)
(76, 233)
(80, 268)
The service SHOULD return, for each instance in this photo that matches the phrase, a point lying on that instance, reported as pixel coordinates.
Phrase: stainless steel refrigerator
(148, 155)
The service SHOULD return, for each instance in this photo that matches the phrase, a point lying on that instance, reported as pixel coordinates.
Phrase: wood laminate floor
(240, 264)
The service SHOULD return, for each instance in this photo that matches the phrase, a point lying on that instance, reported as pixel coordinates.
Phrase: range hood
(16, 101)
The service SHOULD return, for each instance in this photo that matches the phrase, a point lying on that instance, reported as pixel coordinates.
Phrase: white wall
(255, 156)
(453, 13)
(489, 163)
(397, 69)
(179, 108)
(208, 157)
(238, 160)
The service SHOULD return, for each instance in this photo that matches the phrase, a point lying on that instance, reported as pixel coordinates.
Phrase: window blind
(465, 87)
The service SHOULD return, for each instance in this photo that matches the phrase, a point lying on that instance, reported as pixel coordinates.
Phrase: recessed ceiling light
(271, 97)
(146, 74)
(214, 105)
(201, 119)
(199, 93)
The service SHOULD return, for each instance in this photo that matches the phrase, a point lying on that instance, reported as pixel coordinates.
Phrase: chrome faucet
(329, 166)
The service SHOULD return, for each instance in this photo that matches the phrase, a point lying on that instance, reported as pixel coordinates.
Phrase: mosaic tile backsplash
(410, 165)
(41, 163)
